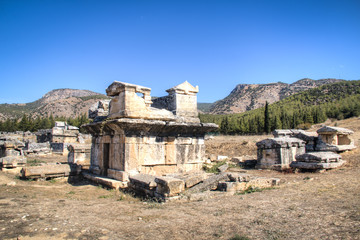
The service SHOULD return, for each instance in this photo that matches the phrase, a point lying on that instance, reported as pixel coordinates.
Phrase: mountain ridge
(245, 97)
(63, 102)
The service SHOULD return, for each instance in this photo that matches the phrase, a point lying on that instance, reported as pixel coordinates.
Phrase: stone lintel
(161, 128)
(116, 87)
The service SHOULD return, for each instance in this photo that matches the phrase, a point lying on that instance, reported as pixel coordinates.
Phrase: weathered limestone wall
(147, 154)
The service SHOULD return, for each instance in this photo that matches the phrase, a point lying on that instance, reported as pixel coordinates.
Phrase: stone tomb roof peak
(185, 88)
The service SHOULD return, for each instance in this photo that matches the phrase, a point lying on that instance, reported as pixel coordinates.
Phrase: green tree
(267, 118)
(224, 126)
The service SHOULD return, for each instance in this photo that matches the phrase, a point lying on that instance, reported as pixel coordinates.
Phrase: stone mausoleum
(144, 135)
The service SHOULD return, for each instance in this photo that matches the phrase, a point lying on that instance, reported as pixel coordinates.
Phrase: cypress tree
(267, 118)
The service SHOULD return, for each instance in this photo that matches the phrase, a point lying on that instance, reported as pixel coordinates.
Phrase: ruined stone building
(278, 153)
(11, 152)
(335, 139)
(300, 149)
(145, 135)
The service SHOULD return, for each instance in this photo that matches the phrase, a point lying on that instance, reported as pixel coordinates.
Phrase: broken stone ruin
(317, 161)
(298, 149)
(62, 139)
(11, 153)
(152, 146)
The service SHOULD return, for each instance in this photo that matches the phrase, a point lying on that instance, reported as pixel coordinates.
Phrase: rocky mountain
(58, 102)
(65, 93)
(247, 97)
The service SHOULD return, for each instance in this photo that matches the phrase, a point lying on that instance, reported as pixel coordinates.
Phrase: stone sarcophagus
(144, 135)
(278, 153)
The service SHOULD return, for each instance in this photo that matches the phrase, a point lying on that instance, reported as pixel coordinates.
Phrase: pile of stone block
(164, 188)
(238, 182)
(175, 187)
(317, 161)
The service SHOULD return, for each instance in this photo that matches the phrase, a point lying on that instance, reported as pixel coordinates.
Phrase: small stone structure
(11, 153)
(318, 161)
(146, 136)
(278, 153)
(335, 139)
(37, 148)
(319, 149)
(79, 154)
(62, 135)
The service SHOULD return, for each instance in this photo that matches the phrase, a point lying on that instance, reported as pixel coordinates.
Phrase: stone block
(192, 180)
(223, 167)
(12, 161)
(169, 186)
(239, 177)
(143, 180)
(118, 175)
(261, 182)
(210, 183)
(232, 186)
(45, 171)
(111, 183)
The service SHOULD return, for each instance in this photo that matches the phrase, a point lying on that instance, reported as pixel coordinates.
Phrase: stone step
(109, 182)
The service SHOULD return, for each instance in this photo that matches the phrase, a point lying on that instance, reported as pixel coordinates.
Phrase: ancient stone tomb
(335, 139)
(278, 153)
(145, 135)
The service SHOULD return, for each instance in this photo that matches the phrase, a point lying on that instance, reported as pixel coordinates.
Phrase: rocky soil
(305, 206)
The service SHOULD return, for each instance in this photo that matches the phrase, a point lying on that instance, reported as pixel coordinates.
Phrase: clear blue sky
(52, 44)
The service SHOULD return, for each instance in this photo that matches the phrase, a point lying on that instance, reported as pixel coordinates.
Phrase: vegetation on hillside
(204, 107)
(27, 123)
(36, 108)
(339, 100)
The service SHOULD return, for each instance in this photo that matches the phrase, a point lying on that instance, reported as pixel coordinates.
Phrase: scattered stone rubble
(302, 150)
(177, 187)
(14, 147)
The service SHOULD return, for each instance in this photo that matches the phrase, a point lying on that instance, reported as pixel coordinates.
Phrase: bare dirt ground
(305, 206)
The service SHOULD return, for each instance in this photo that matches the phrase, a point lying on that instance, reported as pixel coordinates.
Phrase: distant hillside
(58, 102)
(204, 107)
(247, 97)
(339, 100)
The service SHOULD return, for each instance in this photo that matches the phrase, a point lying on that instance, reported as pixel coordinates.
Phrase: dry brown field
(305, 206)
